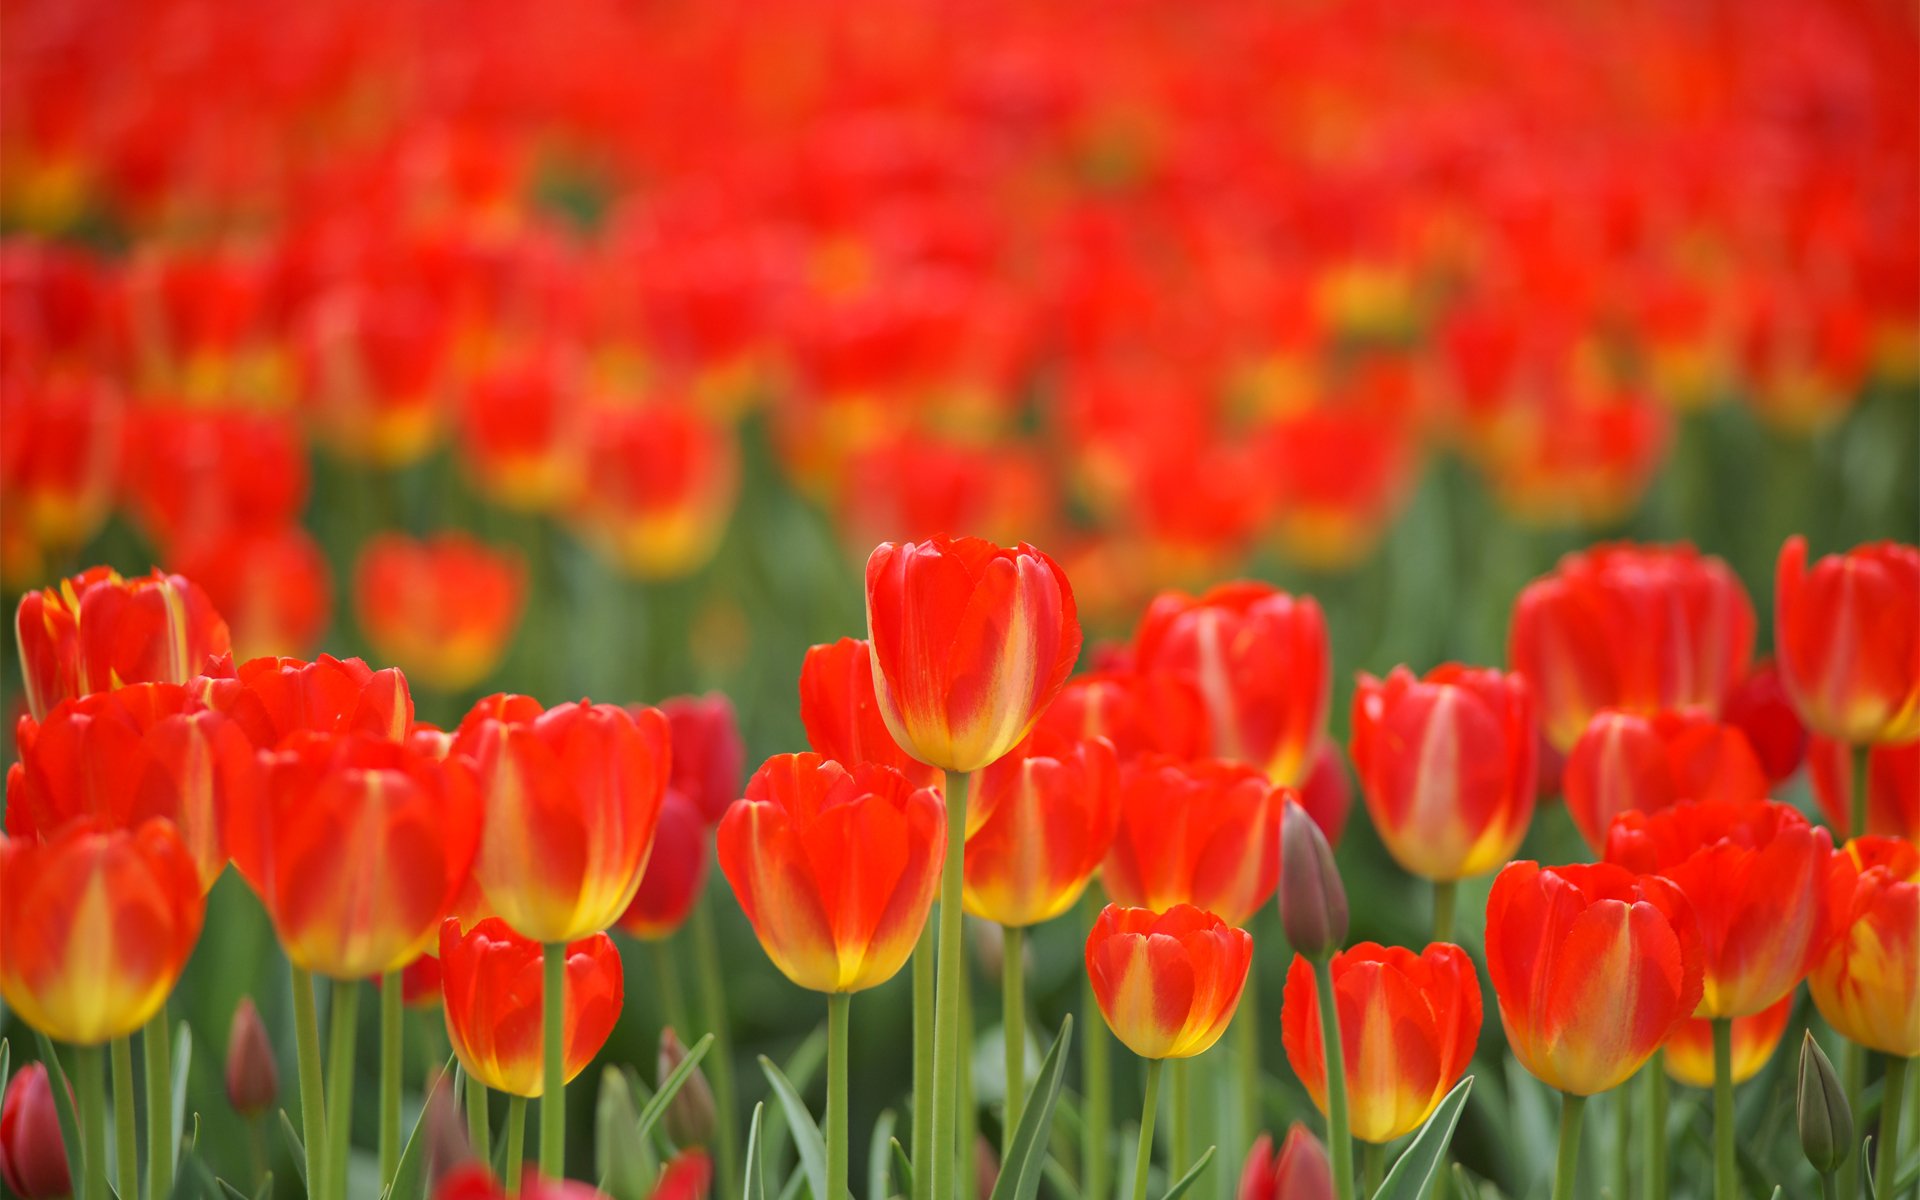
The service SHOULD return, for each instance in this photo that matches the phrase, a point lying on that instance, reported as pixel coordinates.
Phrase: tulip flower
(675, 870)
(1408, 1025)
(473, 1181)
(494, 1002)
(444, 609)
(1893, 787)
(253, 1080)
(1639, 628)
(1758, 706)
(274, 585)
(372, 359)
(1167, 983)
(1260, 660)
(1138, 713)
(62, 491)
(688, 1175)
(521, 440)
(842, 714)
(1688, 1056)
(274, 699)
(97, 925)
(1821, 1113)
(1847, 633)
(659, 486)
(1204, 833)
(1866, 981)
(690, 1119)
(1053, 808)
(1327, 795)
(707, 752)
(1627, 762)
(97, 631)
(420, 981)
(33, 1155)
(1299, 1172)
(200, 471)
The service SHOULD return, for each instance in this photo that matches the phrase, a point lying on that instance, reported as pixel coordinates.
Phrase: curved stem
(1445, 892)
(923, 955)
(1096, 1082)
(1567, 1161)
(838, 1003)
(126, 1153)
(516, 1141)
(1180, 1145)
(313, 1105)
(673, 997)
(1339, 1139)
(1656, 1157)
(1149, 1108)
(344, 1019)
(392, 1031)
(948, 981)
(89, 1082)
(1726, 1180)
(1013, 1023)
(479, 1133)
(1886, 1149)
(156, 1046)
(553, 1065)
(713, 1002)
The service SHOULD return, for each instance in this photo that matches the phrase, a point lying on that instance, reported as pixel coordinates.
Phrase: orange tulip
(660, 481)
(1408, 1025)
(1594, 967)
(1848, 636)
(1689, 1056)
(842, 714)
(1446, 764)
(1138, 713)
(493, 984)
(373, 358)
(1053, 806)
(835, 867)
(1299, 1172)
(1893, 787)
(520, 436)
(274, 585)
(1167, 983)
(970, 642)
(1204, 833)
(1866, 983)
(1753, 873)
(1260, 660)
(1639, 628)
(97, 630)
(444, 608)
(571, 796)
(676, 869)
(61, 491)
(95, 927)
(199, 470)
(1627, 762)
(358, 850)
(275, 698)
(125, 756)
(707, 752)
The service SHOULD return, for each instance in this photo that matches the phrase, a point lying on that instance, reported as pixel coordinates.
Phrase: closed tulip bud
(444, 609)
(1052, 810)
(1313, 900)
(708, 755)
(253, 1079)
(1167, 983)
(1689, 1052)
(1821, 1111)
(1299, 1172)
(1202, 833)
(676, 869)
(97, 631)
(493, 982)
(1848, 636)
(691, 1118)
(1866, 981)
(33, 1155)
(1626, 762)
(842, 714)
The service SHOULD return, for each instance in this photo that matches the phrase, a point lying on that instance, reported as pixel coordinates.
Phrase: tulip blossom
(1053, 807)
(1327, 794)
(1299, 1172)
(571, 796)
(659, 486)
(373, 359)
(1167, 983)
(1138, 713)
(274, 586)
(444, 609)
(97, 925)
(198, 470)
(1753, 874)
(1446, 765)
(676, 868)
(1639, 628)
(1893, 787)
(835, 867)
(521, 440)
(33, 1155)
(969, 642)
(420, 979)
(708, 754)
(1847, 632)
(1261, 663)
(493, 987)
(1758, 706)
(1594, 968)
(1627, 762)
(1408, 1025)
(1204, 833)
(842, 714)
(275, 698)
(62, 491)
(1866, 982)
(1689, 1052)
(97, 631)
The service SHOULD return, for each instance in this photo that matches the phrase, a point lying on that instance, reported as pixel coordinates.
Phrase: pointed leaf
(806, 1134)
(1192, 1176)
(795, 1182)
(802, 1067)
(292, 1138)
(1020, 1173)
(1410, 1175)
(903, 1167)
(63, 1107)
(182, 1062)
(6, 1064)
(1866, 1168)
(877, 1156)
(229, 1191)
(617, 1153)
(265, 1190)
(756, 1188)
(656, 1108)
(410, 1173)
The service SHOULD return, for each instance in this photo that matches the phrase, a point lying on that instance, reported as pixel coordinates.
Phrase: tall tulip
(492, 983)
(708, 754)
(98, 630)
(1628, 762)
(1847, 633)
(1204, 833)
(1866, 982)
(841, 712)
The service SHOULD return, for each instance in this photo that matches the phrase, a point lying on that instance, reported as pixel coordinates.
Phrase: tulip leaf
(265, 1190)
(903, 1167)
(1185, 1182)
(6, 1063)
(292, 1137)
(756, 1188)
(63, 1107)
(410, 1173)
(656, 1108)
(619, 1158)
(1777, 1193)
(182, 1060)
(229, 1191)
(1027, 1151)
(795, 1182)
(1866, 1168)
(877, 1156)
(1416, 1166)
(806, 1134)
(802, 1067)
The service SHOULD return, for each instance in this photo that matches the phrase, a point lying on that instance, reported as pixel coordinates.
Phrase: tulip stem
(948, 981)
(673, 997)
(1567, 1161)
(313, 1109)
(1893, 1093)
(345, 1019)
(838, 1004)
(1246, 1062)
(1445, 891)
(157, 1049)
(1862, 779)
(88, 1077)
(479, 1131)
(1373, 1165)
(1096, 1084)
(1013, 1024)
(713, 1001)
(1829, 1190)
(553, 1063)
(1726, 1181)
(516, 1140)
(923, 955)
(1621, 1104)
(1853, 1069)
(392, 1030)
(1180, 1145)
(1339, 1139)
(1143, 1153)
(966, 1180)
(1656, 1158)
(126, 1152)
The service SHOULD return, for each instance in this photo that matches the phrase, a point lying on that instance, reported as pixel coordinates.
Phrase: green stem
(966, 1179)
(479, 1133)
(1853, 1076)
(1567, 1160)
(1622, 1142)
(1726, 1181)
(1096, 1082)
(923, 955)
(838, 1004)
(1445, 892)
(1246, 1065)
(516, 1141)
(88, 1077)
(1862, 758)
(713, 1001)
(1180, 1145)
(1339, 1139)
(553, 1064)
(948, 982)
(673, 997)
(345, 1019)
(313, 1108)
(156, 1045)
(257, 1147)
(392, 1033)
(1143, 1153)
(1886, 1149)
(1373, 1165)
(1656, 1157)
(1013, 1023)
(1829, 1190)
(126, 1152)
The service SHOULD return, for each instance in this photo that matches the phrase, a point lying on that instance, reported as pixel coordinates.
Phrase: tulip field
(893, 600)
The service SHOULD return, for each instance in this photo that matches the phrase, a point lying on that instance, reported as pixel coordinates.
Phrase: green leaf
(6, 1064)
(1410, 1175)
(795, 1182)
(1777, 1193)
(756, 1188)
(657, 1107)
(410, 1173)
(292, 1138)
(1866, 1168)
(1064, 1185)
(1192, 1176)
(63, 1107)
(806, 1134)
(903, 1167)
(182, 1061)
(229, 1191)
(877, 1156)
(1020, 1173)
(265, 1190)
(618, 1156)
(803, 1066)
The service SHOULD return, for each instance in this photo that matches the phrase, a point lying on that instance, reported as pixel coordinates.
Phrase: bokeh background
(674, 309)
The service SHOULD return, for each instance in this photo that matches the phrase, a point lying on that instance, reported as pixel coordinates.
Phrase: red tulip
(1866, 981)
(445, 609)
(842, 715)
(61, 458)
(372, 359)
(1053, 807)
(97, 631)
(1167, 983)
(473, 1181)
(1627, 762)
(1327, 795)
(1299, 1172)
(1408, 1025)
(1260, 660)
(1204, 833)
(1848, 637)
(688, 1175)
(521, 440)
(970, 642)
(276, 698)
(274, 585)
(1893, 787)
(493, 986)
(1639, 628)
(1758, 707)
(835, 867)
(1339, 474)
(96, 926)
(1140, 714)
(659, 488)
(1689, 1052)
(420, 979)
(675, 871)
(708, 754)
(1446, 766)
(194, 471)
(1594, 967)
(253, 1079)
(33, 1155)
(571, 795)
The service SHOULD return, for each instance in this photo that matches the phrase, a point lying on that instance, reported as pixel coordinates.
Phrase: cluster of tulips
(955, 758)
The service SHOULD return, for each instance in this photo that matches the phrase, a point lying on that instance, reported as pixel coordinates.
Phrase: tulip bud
(253, 1080)
(986, 1166)
(1313, 901)
(691, 1118)
(33, 1158)
(1825, 1120)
